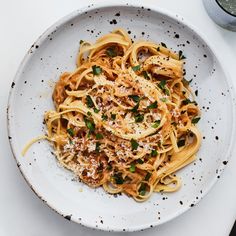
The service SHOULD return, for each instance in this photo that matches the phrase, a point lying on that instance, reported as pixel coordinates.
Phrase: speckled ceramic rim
(41, 40)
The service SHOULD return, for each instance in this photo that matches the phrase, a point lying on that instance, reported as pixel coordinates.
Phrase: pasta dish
(125, 118)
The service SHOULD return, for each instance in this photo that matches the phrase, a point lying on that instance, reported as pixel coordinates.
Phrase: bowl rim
(61, 22)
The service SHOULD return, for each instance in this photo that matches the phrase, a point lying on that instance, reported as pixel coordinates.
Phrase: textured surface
(19, 199)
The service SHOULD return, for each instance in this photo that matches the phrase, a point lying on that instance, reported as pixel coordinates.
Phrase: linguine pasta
(124, 118)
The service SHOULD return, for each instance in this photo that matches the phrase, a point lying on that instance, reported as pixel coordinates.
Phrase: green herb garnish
(81, 41)
(109, 167)
(99, 136)
(89, 101)
(135, 98)
(70, 141)
(118, 178)
(138, 118)
(164, 99)
(71, 132)
(134, 144)
(136, 68)
(154, 153)
(156, 124)
(195, 120)
(181, 56)
(96, 110)
(97, 70)
(153, 105)
(187, 101)
(166, 91)
(162, 84)
(89, 124)
(181, 143)
(104, 117)
(132, 168)
(142, 189)
(97, 148)
(140, 161)
(148, 175)
(135, 108)
(89, 113)
(145, 75)
(186, 82)
(111, 52)
(113, 116)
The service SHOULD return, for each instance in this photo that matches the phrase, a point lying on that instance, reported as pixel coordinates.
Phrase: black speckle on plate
(12, 84)
(176, 36)
(225, 162)
(68, 217)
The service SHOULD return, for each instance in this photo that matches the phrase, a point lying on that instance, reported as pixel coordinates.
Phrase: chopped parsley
(89, 101)
(99, 136)
(153, 105)
(113, 116)
(142, 189)
(97, 70)
(132, 168)
(186, 82)
(104, 117)
(148, 175)
(89, 113)
(154, 153)
(70, 141)
(118, 178)
(163, 45)
(136, 68)
(138, 118)
(96, 110)
(81, 41)
(135, 108)
(167, 92)
(134, 144)
(97, 147)
(145, 75)
(111, 52)
(181, 56)
(140, 161)
(156, 124)
(71, 132)
(181, 143)
(162, 86)
(195, 120)
(109, 167)
(89, 124)
(164, 99)
(187, 101)
(135, 98)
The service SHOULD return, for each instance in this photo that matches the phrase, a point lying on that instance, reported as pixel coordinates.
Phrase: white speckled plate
(55, 52)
